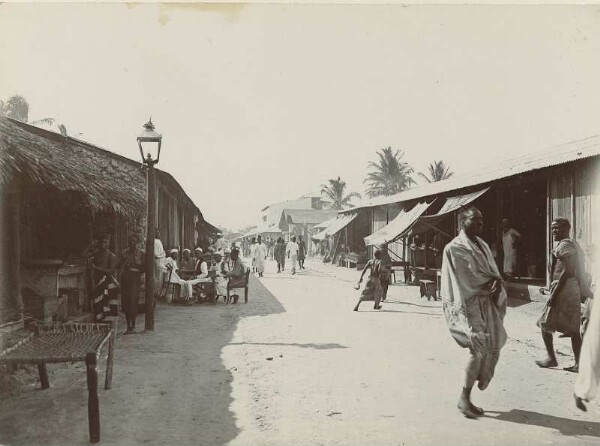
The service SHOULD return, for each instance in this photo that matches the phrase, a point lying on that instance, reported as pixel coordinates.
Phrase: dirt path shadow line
(565, 426)
(291, 344)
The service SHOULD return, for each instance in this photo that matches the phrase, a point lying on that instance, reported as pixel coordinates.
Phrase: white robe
(292, 253)
(509, 239)
(260, 253)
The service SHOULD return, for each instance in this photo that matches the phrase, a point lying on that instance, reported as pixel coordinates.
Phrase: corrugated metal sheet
(337, 225)
(564, 153)
(398, 226)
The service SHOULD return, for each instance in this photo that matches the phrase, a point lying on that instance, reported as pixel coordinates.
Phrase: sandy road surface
(297, 366)
(391, 377)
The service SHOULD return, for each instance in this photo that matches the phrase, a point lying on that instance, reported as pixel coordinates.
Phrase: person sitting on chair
(237, 272)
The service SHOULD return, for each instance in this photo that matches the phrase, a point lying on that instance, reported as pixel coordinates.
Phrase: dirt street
(297, 366)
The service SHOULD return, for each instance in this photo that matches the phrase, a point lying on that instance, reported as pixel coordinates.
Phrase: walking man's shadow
(564, 425)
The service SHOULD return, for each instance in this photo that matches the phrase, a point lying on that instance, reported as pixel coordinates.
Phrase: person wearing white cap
(188, 263)
(219, 243)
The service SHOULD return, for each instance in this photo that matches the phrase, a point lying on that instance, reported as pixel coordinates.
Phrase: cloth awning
(325, 224)
(398, 226)
(337, 225)
(452, 204)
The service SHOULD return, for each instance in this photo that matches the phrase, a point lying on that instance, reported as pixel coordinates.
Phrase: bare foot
(476, 410)
(464, 407)
(574, 368)
(579, 403)
(545, 363)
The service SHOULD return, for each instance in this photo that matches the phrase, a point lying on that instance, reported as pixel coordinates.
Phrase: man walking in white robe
(260, 255)
(474, 303)
(292, 253)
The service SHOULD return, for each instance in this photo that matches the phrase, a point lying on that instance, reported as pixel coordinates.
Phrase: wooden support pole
(93, 403)
(43, 372)
(110, 360)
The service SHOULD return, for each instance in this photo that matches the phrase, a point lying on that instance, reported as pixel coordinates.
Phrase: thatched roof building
(57, 193)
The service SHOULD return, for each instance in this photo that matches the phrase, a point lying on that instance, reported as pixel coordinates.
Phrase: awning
(324, 224)
(427, 222)
(337, 225)
(398, 226)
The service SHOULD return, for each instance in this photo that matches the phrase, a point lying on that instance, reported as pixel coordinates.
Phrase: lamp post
(149, 143)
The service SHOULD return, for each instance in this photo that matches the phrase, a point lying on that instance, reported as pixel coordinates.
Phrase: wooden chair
(167, 286)
(240, 286)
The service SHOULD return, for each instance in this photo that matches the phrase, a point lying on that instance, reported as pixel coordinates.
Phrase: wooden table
(55, 343)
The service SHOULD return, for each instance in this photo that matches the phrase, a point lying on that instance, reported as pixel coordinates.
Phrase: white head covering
(174, 250)
(186, 250)
(198, 250)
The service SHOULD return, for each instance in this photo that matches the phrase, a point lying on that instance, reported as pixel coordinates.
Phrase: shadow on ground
(564, 425)
(287, 344)
(169, 386)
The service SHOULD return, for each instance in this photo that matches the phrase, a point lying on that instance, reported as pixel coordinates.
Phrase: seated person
(188, 263)
(221, 274)
(237, 270)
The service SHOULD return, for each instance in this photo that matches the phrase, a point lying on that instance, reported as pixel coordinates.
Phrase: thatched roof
(108, 181)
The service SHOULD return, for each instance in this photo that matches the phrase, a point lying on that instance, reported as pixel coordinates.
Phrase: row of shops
(530, 191)
(58, 195)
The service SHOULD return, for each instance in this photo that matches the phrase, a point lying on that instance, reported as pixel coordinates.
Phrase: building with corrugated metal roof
(530, 190)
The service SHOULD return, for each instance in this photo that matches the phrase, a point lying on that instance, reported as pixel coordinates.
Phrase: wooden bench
(239, 286)
(428, 288)
(71, 342)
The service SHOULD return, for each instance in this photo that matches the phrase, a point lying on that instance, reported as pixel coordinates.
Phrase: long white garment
(474, 316)
(252, 249)
(221, 279)
(292, 252)
(509, 239)
(588, 378)
(260, 252)
(159, 259)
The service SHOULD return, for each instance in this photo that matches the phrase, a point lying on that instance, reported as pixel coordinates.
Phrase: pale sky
(262, 103)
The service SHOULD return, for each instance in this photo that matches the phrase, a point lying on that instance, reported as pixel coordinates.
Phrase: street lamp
(149, 143)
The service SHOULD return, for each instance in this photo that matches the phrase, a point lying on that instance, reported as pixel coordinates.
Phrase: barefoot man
(474, 305)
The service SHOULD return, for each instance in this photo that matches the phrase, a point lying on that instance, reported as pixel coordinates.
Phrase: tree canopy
(335, 193)
(437, 171)
(389, 175)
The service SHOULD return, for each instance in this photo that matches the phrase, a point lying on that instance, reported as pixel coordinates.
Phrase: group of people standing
(475, 301)
(294, 251)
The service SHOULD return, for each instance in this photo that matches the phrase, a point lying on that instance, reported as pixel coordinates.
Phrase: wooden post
(43, 372)
(11, 303)
(93, 403)
(150, 229)
(549, 217)
(110, 360)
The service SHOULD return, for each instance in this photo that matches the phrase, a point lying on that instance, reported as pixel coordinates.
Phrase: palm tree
(334, 191)
(389, 175)
(52, 125)
(438, 171)
(15, 107)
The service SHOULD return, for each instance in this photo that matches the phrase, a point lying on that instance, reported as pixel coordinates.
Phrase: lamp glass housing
(149, 142)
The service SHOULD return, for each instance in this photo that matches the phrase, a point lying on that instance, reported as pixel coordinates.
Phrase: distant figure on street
(372, 290)
(301, 252)
(159, 258)
(292, 253)
(106, 288)
(386, 270)
(563, 309)
(219, 245)
(252, 249)
(260, 255)
(131, 266)
(474, 303)
(280, 254)
(510, 242)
